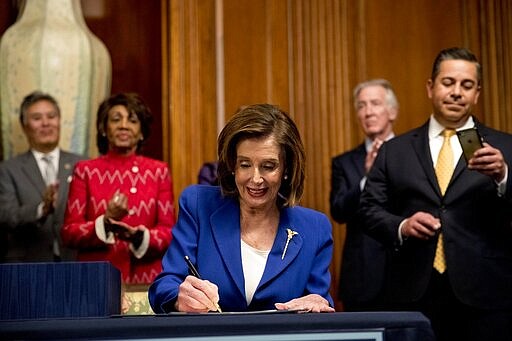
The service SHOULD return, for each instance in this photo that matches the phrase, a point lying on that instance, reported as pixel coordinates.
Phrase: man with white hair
(363, 261)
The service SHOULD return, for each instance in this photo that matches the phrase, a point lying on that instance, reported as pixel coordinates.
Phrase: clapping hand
(124, 231)
(372, 154)
(117, 207)
(50, 198)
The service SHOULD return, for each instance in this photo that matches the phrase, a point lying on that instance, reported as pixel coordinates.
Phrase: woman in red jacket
(120, 206)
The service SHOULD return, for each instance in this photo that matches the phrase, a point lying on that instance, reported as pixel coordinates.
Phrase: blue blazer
(208, 231)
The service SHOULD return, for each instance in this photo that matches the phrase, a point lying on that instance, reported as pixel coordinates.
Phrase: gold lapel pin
(291, 233)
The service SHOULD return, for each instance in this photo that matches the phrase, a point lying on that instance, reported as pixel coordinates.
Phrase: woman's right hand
(197, 296)
(117, 207)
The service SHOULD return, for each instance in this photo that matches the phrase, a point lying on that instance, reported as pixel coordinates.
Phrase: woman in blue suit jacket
(254, 249)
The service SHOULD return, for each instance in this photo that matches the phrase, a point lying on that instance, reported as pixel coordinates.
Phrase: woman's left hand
(310, 303)
(126, 232)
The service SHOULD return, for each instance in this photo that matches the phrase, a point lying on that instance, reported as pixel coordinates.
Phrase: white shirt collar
(54, 153)
(435, 128)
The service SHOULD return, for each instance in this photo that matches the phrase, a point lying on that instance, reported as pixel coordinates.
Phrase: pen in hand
(195, 273)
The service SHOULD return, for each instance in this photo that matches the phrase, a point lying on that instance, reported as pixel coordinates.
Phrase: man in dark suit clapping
(363, 261)
(34, 186)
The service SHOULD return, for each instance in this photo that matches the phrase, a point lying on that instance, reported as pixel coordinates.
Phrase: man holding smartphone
(449, 237)
(470, 141)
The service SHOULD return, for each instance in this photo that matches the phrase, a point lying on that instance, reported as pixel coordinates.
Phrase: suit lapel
(461, 164)
(226, 233)
(29, 168)
(358, 159)
(422, 149)
(225, 224)
(276, 263)
(65, 169)
(459, 168)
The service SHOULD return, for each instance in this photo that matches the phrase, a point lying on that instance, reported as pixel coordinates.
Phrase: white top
(253, 264)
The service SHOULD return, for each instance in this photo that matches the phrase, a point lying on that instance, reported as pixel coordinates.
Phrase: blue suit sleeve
(164, 290)
(320, 278)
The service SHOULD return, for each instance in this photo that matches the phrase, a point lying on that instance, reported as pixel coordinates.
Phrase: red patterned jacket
(147, 184)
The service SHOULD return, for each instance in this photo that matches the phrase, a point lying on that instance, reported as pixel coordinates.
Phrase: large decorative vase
(50, 48)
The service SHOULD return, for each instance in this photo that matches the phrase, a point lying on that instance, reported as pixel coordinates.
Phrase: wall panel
(255, 53)
(495, 33)
(191, 93)
(402, 39)
(322, 70)
(131, 31)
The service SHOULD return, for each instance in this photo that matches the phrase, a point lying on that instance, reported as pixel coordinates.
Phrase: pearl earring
(286, 177)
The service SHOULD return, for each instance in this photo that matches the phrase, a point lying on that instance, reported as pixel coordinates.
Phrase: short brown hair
(263, 120)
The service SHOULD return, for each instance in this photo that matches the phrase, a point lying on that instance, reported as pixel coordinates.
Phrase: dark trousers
(453, 320)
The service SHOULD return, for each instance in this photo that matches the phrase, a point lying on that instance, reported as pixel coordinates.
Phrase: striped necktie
(50, 174)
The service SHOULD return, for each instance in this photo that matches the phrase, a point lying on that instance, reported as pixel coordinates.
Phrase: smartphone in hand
(470, 140)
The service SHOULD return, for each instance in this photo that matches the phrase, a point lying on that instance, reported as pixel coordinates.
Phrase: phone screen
(470, 140)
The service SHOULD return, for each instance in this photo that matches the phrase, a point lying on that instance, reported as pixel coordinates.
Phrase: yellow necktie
(444, 171)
